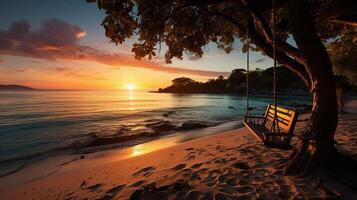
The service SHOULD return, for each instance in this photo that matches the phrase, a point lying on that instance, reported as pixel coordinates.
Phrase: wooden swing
(275, 128)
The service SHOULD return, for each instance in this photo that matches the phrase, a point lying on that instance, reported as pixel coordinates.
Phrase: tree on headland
(187, 26)
(183, 81)
(237, 76)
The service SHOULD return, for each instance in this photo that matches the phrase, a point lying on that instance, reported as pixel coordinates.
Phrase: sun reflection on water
(131, 100)
(131, 96)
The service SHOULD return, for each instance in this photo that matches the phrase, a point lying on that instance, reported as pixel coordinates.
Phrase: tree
(187, 26)
(182, 81)
(237, 76)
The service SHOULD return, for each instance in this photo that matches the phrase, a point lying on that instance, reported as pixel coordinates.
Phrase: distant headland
(16, 87)
(260, 83)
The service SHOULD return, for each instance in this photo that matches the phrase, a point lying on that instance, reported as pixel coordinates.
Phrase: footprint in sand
(241, 165)
(179, 167)
(137, 184)
(228, 190)
(232, 182)
(221, 160)
(185, 172)
(212, 183)
(190, 157)
(197, 165)
(94, 187)
(223, 178)
(115, 190)
(202, 170)
(145, 171)
(245, 189)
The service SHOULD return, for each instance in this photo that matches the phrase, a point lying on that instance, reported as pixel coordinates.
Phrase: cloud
(62, 69)
(21, 69)
(260, 60)
(57, 40)
(193, 58)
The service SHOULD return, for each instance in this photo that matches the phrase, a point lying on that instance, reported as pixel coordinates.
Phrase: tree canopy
(343, 53)
(186, 27)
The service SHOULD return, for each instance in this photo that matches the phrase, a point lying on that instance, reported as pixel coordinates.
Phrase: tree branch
(266, 31)
(228, 18)
(266, 47)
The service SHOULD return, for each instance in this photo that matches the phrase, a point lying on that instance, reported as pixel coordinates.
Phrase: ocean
(36, 124)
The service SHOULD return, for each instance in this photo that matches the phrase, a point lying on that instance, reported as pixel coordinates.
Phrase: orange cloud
(57, 40)
(21, 69)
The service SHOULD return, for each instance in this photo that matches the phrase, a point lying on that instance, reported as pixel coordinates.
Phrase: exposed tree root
(305, 159)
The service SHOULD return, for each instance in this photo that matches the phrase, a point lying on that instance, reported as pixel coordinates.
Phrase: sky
(60, 44)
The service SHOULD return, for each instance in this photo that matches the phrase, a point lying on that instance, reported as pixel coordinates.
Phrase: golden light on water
(131, 86)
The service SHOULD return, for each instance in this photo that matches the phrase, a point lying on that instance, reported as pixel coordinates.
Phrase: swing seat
(260, 126)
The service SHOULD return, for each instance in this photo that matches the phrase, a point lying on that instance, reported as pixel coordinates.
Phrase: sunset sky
(60, 44)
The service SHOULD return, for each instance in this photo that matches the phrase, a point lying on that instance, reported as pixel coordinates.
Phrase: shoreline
(230, 163)
(16, 164)
(267, 94)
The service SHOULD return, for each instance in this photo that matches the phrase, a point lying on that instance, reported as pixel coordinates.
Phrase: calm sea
(36, 123)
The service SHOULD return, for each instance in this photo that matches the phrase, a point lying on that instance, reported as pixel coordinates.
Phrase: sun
(130, 86)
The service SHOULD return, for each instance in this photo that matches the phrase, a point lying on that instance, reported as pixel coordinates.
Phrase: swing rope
(247, 112)
(275, 124)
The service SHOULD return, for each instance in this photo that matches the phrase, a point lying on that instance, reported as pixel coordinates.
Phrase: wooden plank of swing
(281, 124)
(252, 130)
(284, 116)
(286, 120)
(280, 109)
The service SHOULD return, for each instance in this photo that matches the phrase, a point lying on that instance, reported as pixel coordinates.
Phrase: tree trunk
(316, 147)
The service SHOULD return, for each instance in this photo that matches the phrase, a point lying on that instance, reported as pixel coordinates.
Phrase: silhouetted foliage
(261, 82)
(343, 53)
